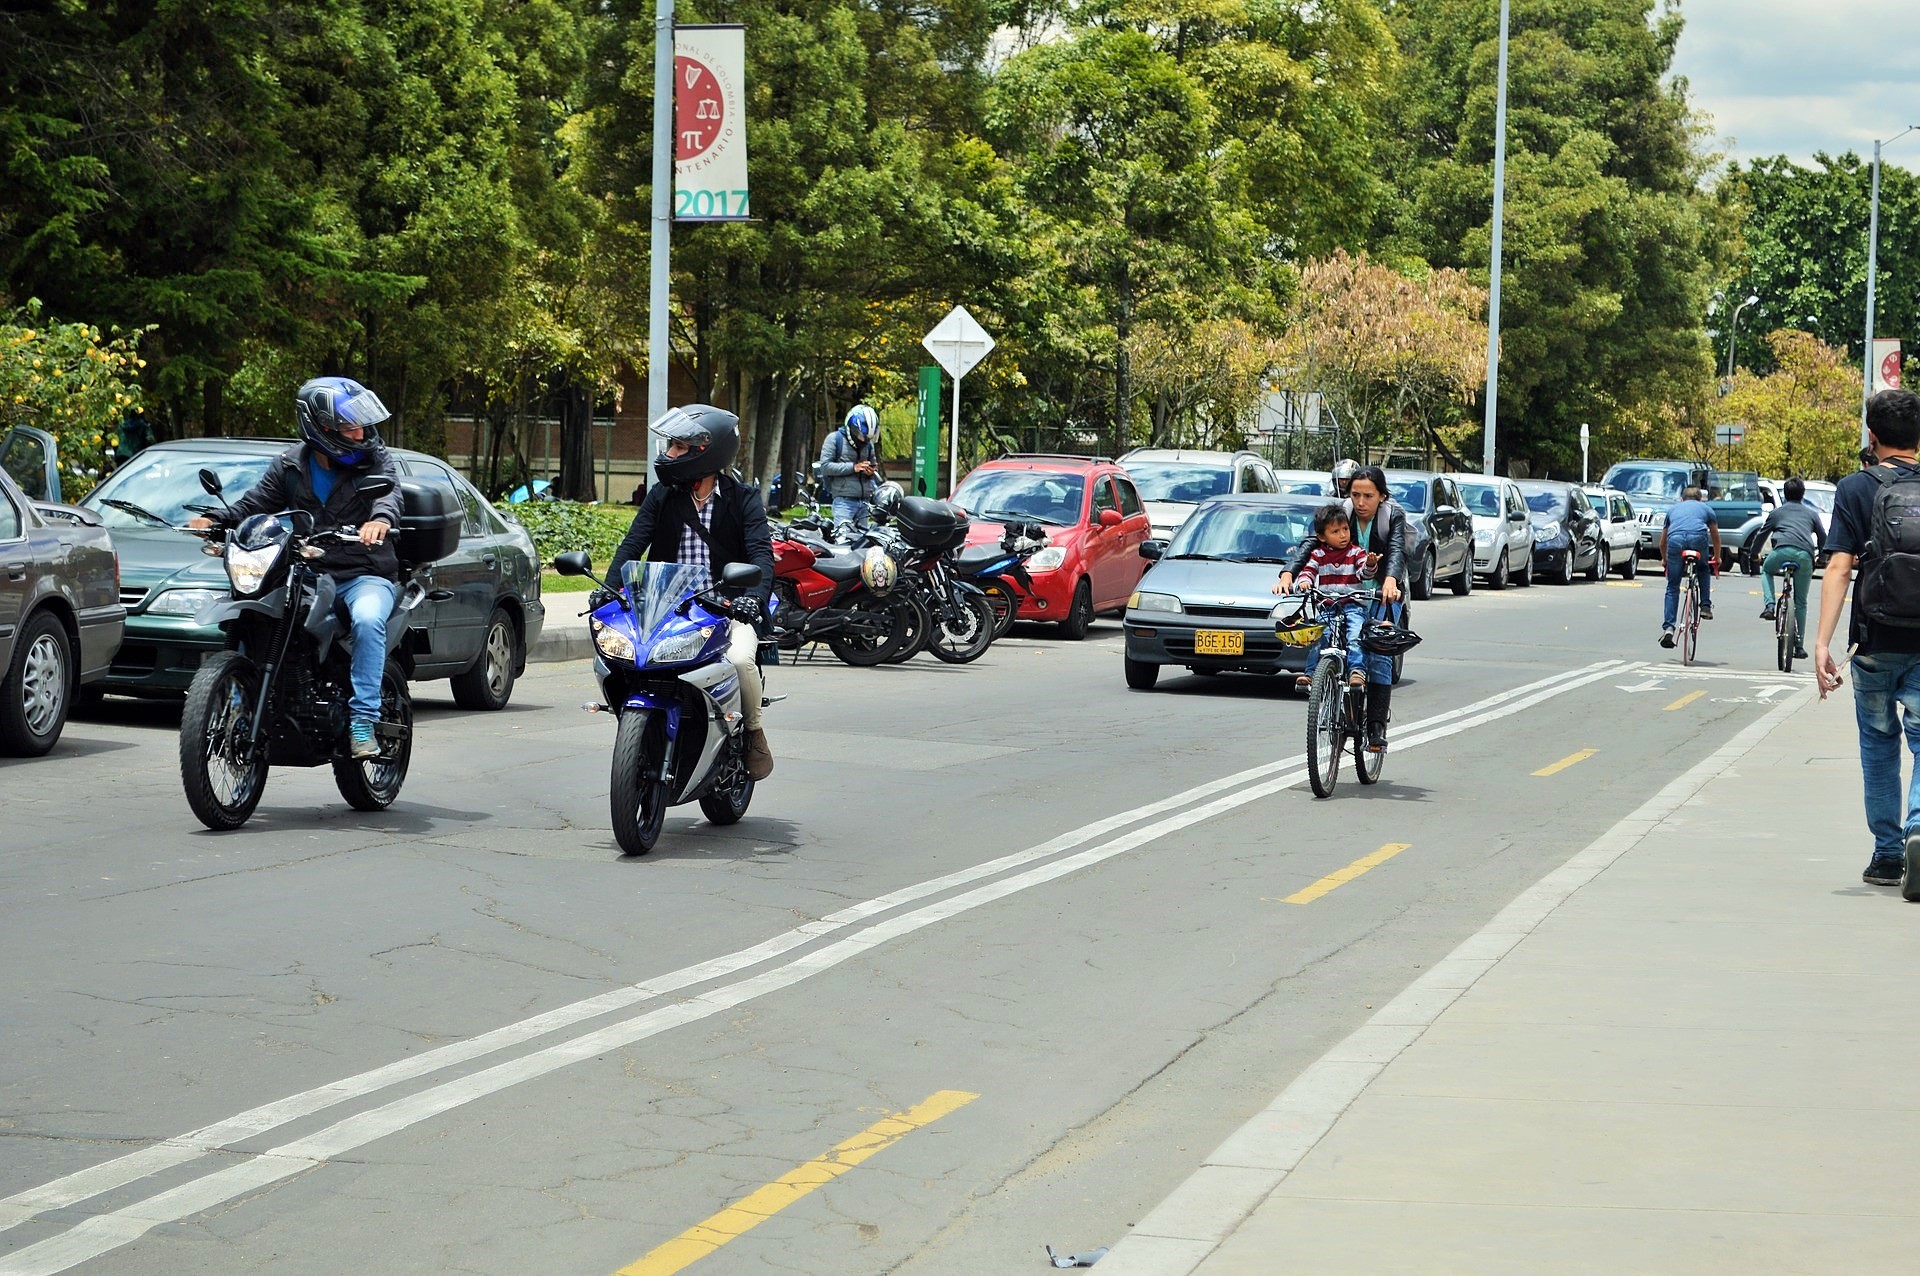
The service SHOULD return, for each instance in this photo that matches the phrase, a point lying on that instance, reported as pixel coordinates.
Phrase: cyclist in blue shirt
(1690, 525)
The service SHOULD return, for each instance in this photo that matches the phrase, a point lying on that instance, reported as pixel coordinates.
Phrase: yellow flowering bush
(72, 381)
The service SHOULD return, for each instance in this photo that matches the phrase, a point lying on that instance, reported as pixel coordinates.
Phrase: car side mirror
(210, 483)
(373, 486)
(575, 562)
(1109, 518)
(1515, 516)
(1445, 509)
(1151, 550)
(741, 576)
(1621, 518)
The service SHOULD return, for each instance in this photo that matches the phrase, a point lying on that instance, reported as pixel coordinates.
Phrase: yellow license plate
(1219, 642)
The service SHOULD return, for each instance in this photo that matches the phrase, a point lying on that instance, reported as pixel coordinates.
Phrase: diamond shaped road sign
(958, 342)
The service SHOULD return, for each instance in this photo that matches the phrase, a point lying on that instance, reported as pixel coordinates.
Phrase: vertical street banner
(710, 124)
(1886, 364)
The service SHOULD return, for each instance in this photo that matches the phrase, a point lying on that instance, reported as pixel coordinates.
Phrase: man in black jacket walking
(699, 515)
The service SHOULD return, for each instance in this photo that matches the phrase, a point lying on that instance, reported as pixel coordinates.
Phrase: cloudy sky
(1797, 76)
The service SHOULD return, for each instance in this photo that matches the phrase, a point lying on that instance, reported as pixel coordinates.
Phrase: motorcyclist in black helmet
(700, 515)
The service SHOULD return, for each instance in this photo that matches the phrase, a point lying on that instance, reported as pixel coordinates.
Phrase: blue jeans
(1379, 668)
(368, 601)
(1701, 572)
(847, 509)
(1886, 691)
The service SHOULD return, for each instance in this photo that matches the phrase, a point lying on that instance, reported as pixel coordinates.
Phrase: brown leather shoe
(759, 756)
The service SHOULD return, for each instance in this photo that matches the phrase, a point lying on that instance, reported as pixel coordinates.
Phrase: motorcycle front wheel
(636, 795)
(1005, 604)
(223, 781)
(966, 638)
(921, 626)
(876, 634)
(372, 784)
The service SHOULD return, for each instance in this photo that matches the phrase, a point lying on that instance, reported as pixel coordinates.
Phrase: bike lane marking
(1335, 880)
(757, 1207)
(1684, 701)
(102, 1233)
(1572, 759)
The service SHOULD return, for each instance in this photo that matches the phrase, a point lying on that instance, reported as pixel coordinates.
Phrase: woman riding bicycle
(1379, 526)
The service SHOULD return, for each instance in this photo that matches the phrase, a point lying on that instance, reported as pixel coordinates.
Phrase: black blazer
(739, 532)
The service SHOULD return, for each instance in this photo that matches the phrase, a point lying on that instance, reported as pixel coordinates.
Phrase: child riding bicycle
(1336, 562)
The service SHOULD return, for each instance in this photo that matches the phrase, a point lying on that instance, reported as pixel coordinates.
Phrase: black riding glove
(600, 598)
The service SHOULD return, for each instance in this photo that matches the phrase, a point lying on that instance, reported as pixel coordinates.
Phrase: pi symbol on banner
(699, 109)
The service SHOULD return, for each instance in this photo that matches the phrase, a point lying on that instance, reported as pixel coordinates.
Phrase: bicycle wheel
(1326, 724)
(1689, 621)
(1366, 762)
(1786, 628)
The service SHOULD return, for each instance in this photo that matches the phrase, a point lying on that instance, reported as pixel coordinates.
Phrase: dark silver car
(1441, 530)
(60, 614)
(479, 637)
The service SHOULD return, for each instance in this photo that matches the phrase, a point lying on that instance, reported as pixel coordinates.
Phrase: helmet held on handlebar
(711, 436)
(878, 572)
(327, 406)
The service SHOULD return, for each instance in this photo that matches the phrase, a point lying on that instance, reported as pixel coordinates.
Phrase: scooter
(661, 660)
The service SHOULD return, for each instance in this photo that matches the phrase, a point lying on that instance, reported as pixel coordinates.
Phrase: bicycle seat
(1689, 555)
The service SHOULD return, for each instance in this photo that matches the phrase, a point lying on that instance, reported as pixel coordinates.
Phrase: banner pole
(660, 242)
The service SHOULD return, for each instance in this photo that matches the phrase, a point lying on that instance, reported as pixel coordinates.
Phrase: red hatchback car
(1095, 527)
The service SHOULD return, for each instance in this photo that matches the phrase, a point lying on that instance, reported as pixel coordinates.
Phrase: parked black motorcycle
(278, 694)
(930, 534)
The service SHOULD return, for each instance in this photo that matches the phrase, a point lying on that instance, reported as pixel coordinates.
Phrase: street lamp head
(1753, 299)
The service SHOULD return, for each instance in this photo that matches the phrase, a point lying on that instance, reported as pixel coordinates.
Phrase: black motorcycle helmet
(711, 434)
(325, 406)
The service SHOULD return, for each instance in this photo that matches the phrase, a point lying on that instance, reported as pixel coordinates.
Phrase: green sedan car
(478, 638)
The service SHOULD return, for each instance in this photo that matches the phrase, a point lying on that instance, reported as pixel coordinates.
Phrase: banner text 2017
(709, 203)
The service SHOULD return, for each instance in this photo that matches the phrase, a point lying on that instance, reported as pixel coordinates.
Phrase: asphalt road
(1045, 917)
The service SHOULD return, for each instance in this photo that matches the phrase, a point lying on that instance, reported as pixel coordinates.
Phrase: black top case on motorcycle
(930, 524)
(430, 518)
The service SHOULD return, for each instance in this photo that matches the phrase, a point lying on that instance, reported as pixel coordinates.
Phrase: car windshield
(1546, 502)
(1243, 533)
(1661, 485)
(1303, 484)
(1183, 482)
(164, 481)
(1481, 498)
(1411, 493)
(1001, 495)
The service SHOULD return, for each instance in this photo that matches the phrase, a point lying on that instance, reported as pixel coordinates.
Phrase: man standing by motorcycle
(701, 516)
(340, 442)
(850, 466)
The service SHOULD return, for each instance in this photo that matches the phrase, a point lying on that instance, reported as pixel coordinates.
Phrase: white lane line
(1177, 1236)
(103, 1233)
(123, 1170)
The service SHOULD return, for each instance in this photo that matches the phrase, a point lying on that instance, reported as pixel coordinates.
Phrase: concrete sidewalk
(1685, 1051)
(564, 635)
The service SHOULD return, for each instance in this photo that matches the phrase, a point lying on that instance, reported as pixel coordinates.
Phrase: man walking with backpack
(1876, 523)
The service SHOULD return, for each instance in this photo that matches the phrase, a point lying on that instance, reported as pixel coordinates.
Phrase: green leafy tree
(1803, 417)
(73, 381)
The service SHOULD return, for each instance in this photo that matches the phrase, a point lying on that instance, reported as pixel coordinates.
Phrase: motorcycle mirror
(210, 483)
(373, 486)
(741, 576)
(575, 562)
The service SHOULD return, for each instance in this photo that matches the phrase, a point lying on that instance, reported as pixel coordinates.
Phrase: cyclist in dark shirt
(1797, 536)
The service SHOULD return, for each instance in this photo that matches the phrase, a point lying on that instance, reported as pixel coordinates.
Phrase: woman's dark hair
(1327, 515)
(1796, 489)
(1374, 475)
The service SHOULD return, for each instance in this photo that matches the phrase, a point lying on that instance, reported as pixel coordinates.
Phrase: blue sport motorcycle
(661, 658)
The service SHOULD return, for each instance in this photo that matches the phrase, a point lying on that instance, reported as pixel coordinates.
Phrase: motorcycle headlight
(1154, 602)
(183, 602)
(248, 568)
(681, 647)
(1048, 559)
(612, 643)
(1546, 531)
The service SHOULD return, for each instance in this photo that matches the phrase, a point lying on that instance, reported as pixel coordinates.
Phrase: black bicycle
(1786, 622)
(1336, 710)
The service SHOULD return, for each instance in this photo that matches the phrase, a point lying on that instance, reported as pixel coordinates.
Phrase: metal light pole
(1499, 221)
(1873, 270)
(660, 242)
(1733, 333)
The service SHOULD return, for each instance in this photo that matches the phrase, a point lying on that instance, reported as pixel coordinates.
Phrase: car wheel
(1633, 566)
(1463, 583)
(1499, 578)
(1727, 560)
(1524, 577)
(489, 683)
(1142, 674)
(1423, 584)
(1600, 564)
(1079, 612)
(37, 690)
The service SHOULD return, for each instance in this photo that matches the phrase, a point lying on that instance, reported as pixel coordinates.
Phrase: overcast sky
(1797, 76)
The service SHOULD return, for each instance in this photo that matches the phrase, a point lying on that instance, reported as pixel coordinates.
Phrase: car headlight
(1549, 530)
(184, 602)
(612, 643)
(1483, 536)
(1154, 602)
(248, 568)
(682, 647)
(1049, 559)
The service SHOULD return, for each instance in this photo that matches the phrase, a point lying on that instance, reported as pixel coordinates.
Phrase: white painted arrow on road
(1768, 693)
(1651, 684)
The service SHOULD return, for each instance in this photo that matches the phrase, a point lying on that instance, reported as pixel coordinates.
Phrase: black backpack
(1889, 588)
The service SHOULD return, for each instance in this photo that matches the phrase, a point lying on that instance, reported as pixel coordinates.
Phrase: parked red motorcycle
(841, 597)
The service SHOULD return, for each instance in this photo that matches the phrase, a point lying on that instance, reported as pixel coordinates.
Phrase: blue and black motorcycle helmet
(862, 423)
(712, 436)
(325, 406)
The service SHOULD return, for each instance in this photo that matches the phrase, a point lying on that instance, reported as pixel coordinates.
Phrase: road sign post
(1585, 435)
(926, 435)
(957, 343)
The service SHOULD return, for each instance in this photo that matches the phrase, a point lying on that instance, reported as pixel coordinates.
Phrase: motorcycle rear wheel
(921, 627)
(636, 796)
(727, 802)
(1005, 604)
(372, 784)
(967, 641)
(889, 624)
(222, 786)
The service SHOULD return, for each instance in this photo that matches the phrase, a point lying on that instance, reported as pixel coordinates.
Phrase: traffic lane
(1075, 997)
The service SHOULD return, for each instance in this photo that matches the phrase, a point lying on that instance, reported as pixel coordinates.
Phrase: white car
(1622, 530)
(1173, 481)
(1502, 529)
